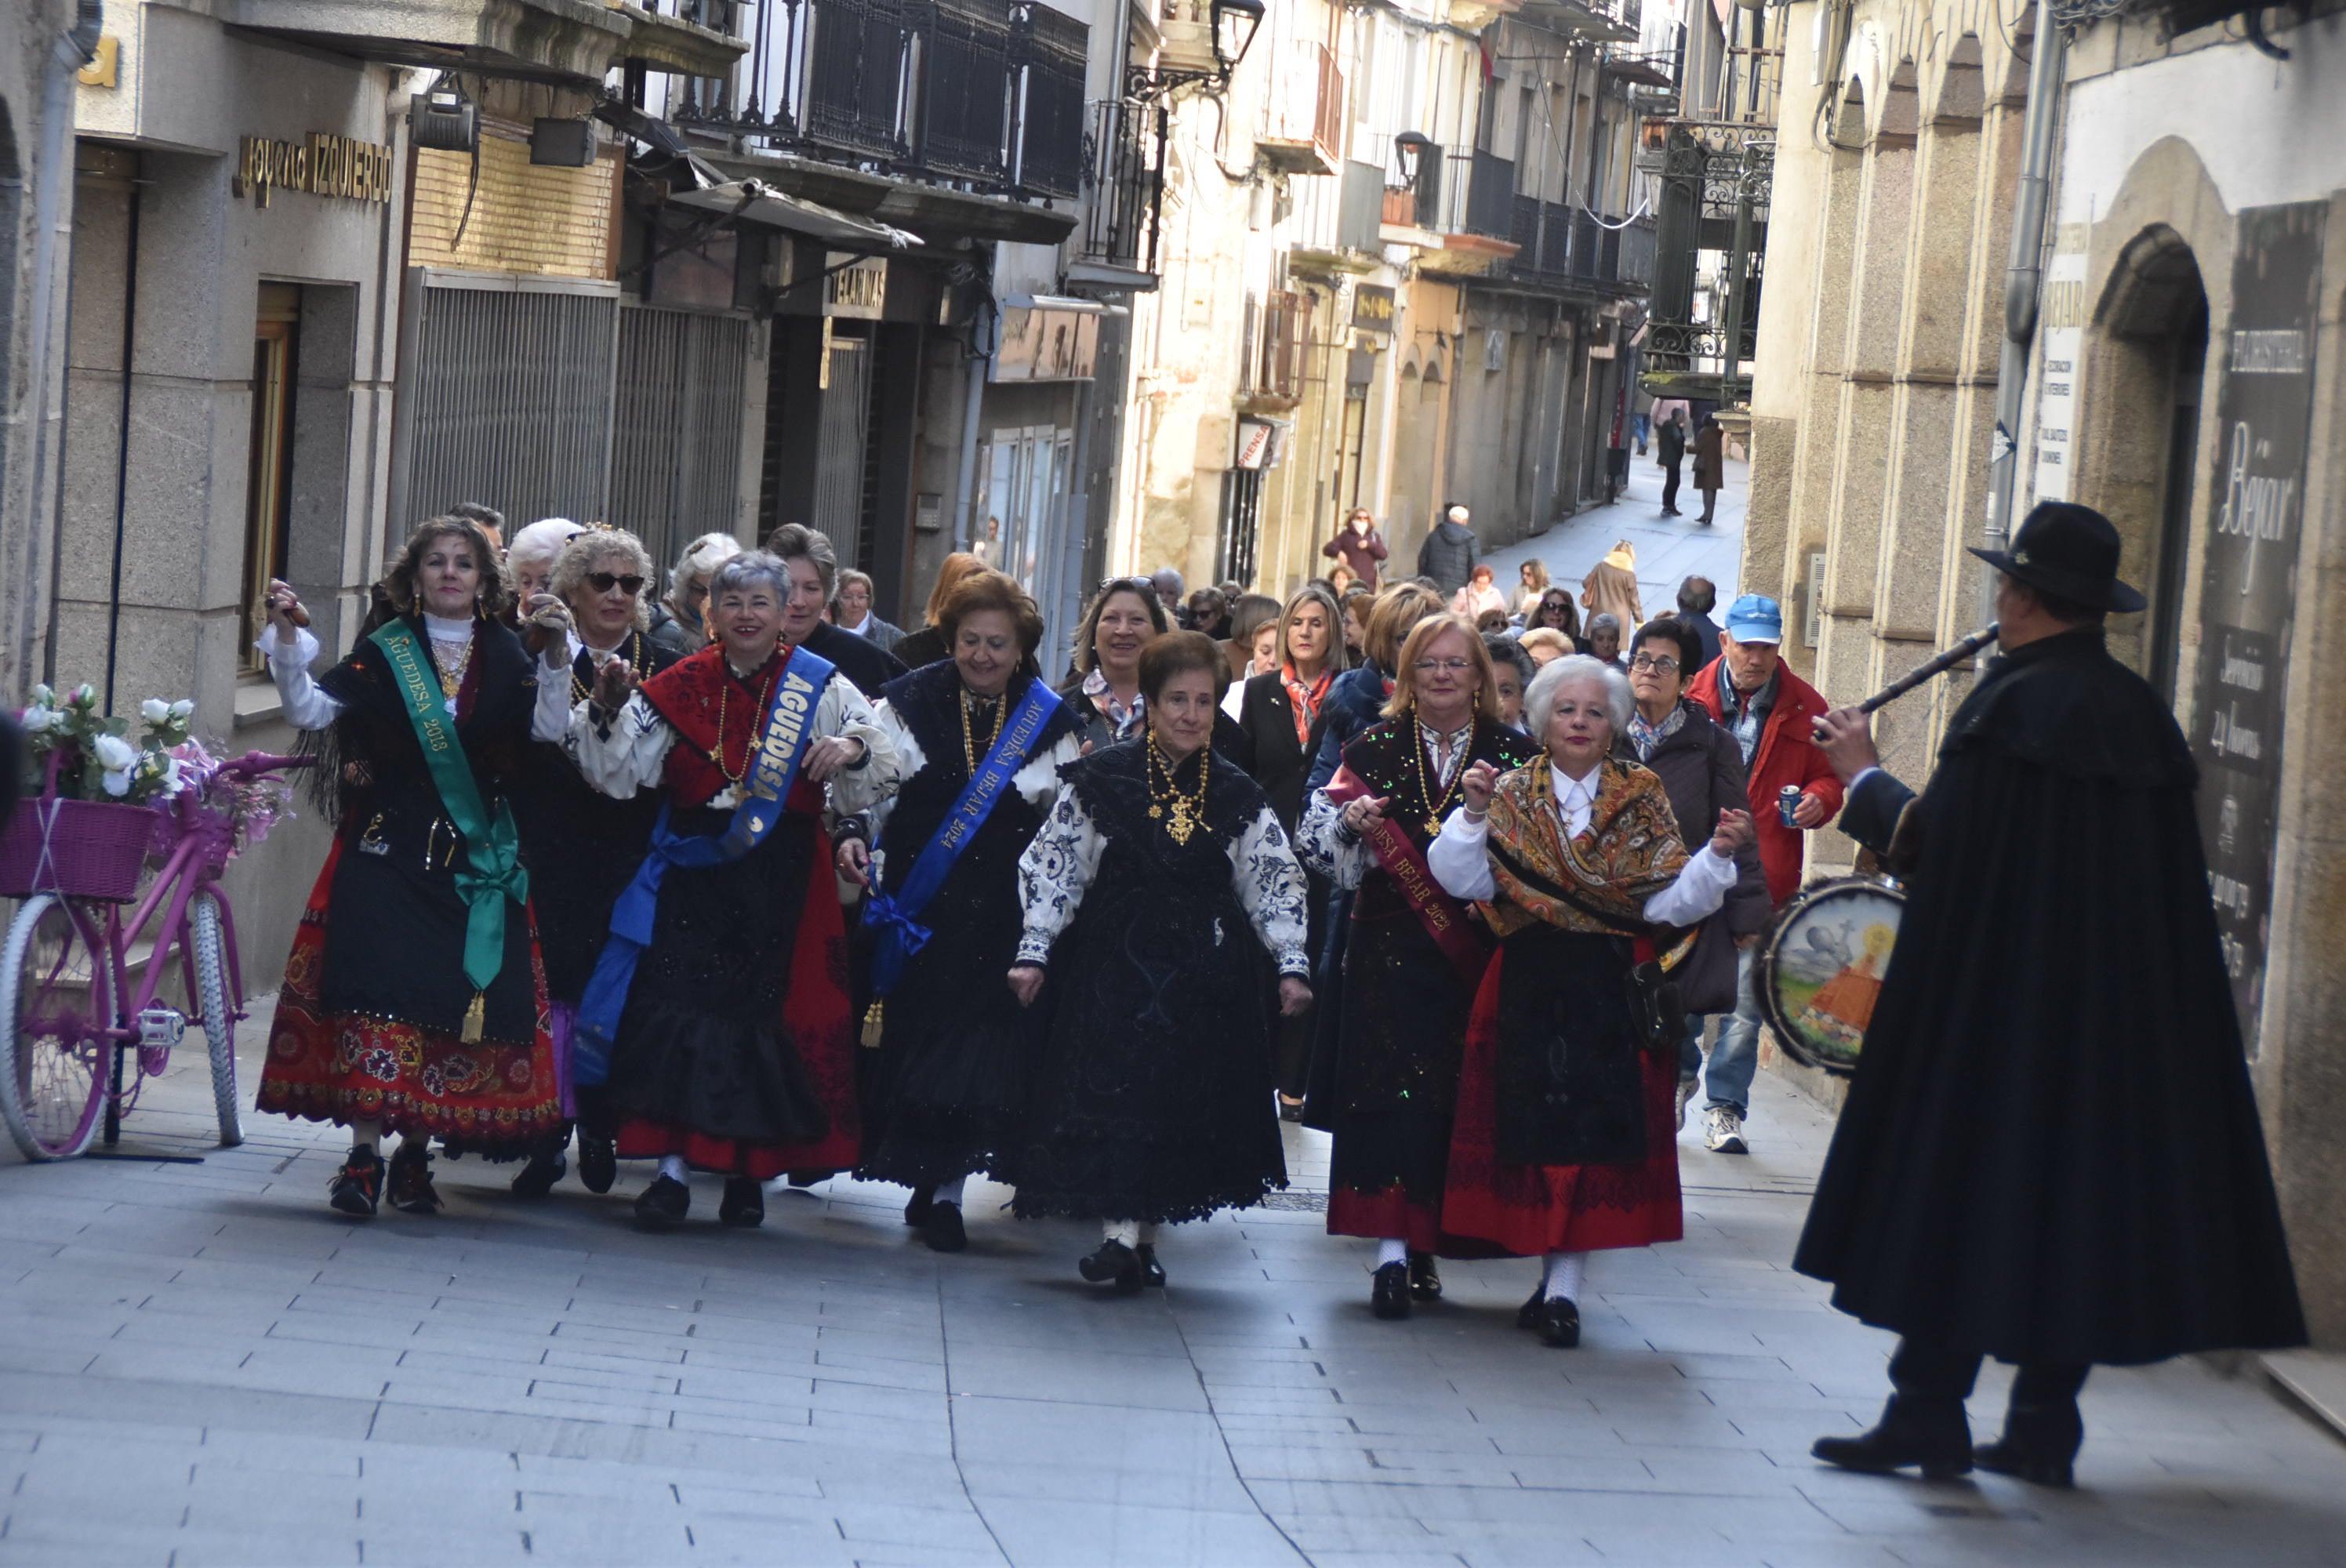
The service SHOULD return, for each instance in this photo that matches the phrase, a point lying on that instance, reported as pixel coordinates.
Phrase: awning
(1068, 302)
(754, 201)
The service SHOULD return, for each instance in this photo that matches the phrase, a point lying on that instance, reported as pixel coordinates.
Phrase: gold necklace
(970, 749)
(453, 681)
(581, 690)
(1434, 806)
(765, 704)
(1188, 813)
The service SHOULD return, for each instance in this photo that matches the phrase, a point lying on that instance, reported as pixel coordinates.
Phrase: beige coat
(1611, 588)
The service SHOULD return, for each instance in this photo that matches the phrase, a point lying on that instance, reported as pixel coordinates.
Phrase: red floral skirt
(820, 1018)
(1527, 1210)
(349, 1067)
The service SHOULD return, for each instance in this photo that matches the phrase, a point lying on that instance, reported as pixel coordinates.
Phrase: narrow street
(1669, 549)
(203, 1365)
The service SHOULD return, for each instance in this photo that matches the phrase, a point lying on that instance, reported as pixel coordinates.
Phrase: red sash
(1444, 917)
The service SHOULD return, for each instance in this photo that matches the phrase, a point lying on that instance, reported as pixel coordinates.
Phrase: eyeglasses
(1659, 666)
(1455, 666)
(604, 582)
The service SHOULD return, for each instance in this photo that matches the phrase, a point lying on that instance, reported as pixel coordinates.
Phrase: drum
(1821, 964)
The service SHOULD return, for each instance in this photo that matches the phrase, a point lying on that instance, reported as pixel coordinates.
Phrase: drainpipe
(981, 355)
(2023, 287)
(52, 233)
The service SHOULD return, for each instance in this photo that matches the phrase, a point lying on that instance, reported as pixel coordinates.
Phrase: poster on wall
(2254, 522)
(2062, 337)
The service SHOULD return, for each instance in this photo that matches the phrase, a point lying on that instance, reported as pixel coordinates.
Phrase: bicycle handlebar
(253, 762)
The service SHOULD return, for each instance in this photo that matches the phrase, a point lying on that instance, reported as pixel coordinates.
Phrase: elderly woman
(1544, 646)
(412, 1000)
(1701, 769)
(952, 1041)
(716, 1016)
(1562, 1142)
(1513, 668)
(851, 611)
(1160, 868)
(529, 559)
(926, 643)
(678, 624)
(1605, 640)
(1209, 612)
(1480, 596)
(1411, 959)
(1253, 618)
(582, 847)
(1123, 618)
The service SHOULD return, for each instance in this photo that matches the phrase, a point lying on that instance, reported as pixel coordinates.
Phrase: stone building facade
(2186, 369)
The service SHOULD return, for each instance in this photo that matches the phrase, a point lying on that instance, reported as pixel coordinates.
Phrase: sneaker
(1722, 1131)
(357, 1187)
(412, 1191)
(1687, 1088)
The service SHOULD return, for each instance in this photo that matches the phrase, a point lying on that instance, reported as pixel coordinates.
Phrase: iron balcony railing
(1124, 157)
(1557, 242)
(986, 93)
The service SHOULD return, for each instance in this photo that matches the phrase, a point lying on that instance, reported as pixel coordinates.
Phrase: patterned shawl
(1630, 853)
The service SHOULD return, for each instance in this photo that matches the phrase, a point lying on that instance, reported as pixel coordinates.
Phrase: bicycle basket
(90, 849)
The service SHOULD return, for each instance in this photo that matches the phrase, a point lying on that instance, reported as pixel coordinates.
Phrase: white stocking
(673, 1167)
(949, 1191)
(366, 1134)
(1392, 1249)
(1564, 1269)
(1127, 1231)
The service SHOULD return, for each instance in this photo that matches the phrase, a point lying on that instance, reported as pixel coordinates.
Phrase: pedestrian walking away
(1696, 597)
(1161, 868)
(1448, 555)
(1709, 465)
(1953, 1207)
(980, 745)
(1670, 455)
(1611, 587)
(1769, 711)
(1562, 1144)
(414, 1002)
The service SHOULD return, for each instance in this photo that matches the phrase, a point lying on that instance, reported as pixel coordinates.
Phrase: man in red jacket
(1771, 713)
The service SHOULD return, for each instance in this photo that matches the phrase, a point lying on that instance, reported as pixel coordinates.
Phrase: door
(840, 455)
(269, 485)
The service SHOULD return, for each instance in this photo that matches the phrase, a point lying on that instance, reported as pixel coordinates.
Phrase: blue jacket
(1356, 700)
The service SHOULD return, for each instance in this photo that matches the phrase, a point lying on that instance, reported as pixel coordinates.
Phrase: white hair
(542, 541)
(701, 557)
(1576, 669)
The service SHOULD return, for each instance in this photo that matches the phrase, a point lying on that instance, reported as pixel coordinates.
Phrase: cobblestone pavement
(202, 1364)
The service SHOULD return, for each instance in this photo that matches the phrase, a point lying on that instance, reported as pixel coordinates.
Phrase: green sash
(493, 870)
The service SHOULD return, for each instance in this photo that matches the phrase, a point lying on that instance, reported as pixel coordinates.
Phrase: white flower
(117, 784)
(154, 710)
(115, 755)
(44, 698)
(185, 708)
(83, 696)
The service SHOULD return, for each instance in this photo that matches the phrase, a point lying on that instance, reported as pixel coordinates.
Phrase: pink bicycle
(74, 1029)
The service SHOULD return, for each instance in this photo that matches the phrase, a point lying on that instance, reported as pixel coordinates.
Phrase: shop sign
(2255, 523)
(1262, 442)
(1372, 308)
(320, 164)
(855, 289)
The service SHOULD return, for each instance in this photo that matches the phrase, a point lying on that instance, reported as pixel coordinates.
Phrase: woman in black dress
(582, 847)
(1279, 726)
(953, 1043)
(1160, 868)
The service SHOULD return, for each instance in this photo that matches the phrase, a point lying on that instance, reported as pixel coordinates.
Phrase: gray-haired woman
(677, 622)
(728, 1032)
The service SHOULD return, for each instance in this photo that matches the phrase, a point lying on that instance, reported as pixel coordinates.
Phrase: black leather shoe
(2039, 1445)
(539, 1173)
(1152, 1271)
(1424, 1278)
(1559, 1322)
(598, 1163)
(357, 1187)
(1114, 1264)
(1929, 1432)
(916, 1208)
(410, 1188)
(1290, 1110)
(663, 1203)
(744, 1203)
(944, 1230)
(1528, 1316)
(1389, 1290)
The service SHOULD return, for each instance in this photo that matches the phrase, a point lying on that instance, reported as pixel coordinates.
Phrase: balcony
(1558, 245)
(1601, 21)
(1461, 208)
(1126, 182)
(1304, 124)
(982, 94)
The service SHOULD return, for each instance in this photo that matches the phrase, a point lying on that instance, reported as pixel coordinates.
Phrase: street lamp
(1229, 32)
(1409, 148)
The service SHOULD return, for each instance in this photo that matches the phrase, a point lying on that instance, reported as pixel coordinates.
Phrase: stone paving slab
(202, 1364)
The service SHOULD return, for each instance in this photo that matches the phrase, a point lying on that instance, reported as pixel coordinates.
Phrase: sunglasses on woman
(604, 582)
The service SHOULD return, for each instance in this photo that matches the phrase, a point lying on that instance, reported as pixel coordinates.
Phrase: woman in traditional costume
(980, 745)
(718, 1016)
(413, 1001)
(680, 622)
(1411, 958)
(1124, 617)
(1161, 868)
(1565, 1141)
(1278, 731)
(581, 846)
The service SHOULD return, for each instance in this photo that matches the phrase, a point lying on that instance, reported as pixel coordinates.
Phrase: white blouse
(1058, 867)
(1038, 780)
(306, 705)
(1461, 864)
(621, 753)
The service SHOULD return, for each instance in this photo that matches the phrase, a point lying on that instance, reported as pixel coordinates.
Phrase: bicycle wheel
(56, 1002)
(217, 1010)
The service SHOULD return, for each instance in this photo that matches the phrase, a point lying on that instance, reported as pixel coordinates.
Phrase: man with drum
(1769, 711)
(2050, 1153)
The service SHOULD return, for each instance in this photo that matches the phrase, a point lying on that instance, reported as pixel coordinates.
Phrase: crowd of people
(740, 878)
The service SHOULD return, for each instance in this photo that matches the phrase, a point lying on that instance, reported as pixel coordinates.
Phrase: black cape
(2050, 1150)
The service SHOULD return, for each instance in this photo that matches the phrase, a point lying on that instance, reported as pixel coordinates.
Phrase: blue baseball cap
(1755, 618)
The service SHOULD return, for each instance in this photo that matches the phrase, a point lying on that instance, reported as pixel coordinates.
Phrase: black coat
(2050, 1149)
(1268, 747)
(862, 662)
(1701, 770)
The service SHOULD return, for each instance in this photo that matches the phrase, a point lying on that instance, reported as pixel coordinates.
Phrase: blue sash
(796, 694)
(897, 915)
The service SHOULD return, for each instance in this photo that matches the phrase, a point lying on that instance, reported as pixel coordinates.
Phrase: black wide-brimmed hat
(2068, 551)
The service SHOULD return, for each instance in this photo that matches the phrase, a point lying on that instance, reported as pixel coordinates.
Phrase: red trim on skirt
(1528, 1210)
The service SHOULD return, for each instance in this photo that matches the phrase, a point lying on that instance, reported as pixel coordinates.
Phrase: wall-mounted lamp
(1409, 149)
